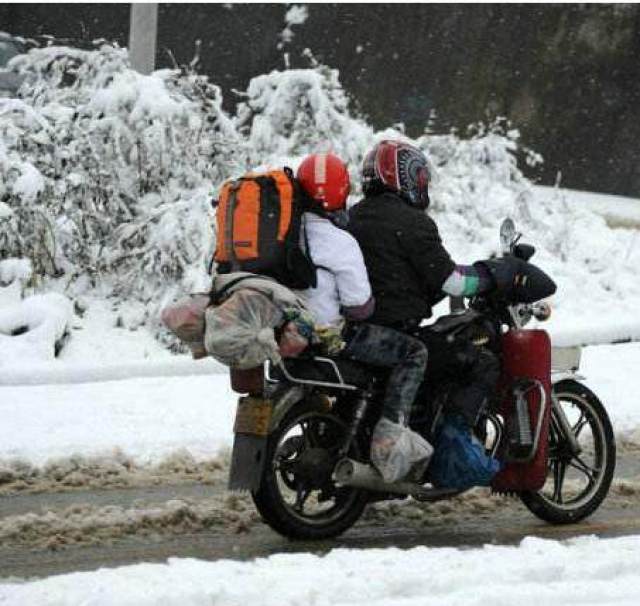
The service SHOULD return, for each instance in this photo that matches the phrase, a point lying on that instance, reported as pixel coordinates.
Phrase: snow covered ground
(149, 418)
(618, 211)
(579, 571)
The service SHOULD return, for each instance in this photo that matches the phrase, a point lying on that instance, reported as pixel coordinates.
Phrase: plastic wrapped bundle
(185, 319)
(240, 331)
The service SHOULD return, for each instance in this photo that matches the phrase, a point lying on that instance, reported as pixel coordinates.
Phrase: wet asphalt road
(505, 525)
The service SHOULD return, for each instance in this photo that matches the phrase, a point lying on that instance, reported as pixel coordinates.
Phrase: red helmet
(399, 167)
(326, 179)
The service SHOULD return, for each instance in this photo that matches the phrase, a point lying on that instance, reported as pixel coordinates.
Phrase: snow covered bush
(290, 113)
(476, 183)
(166, 251)
(94, 149)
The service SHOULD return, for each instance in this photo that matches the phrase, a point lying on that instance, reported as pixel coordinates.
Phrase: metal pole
(143, 32)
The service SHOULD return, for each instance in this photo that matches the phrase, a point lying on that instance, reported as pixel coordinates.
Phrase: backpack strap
(230, 210)
(216, 296)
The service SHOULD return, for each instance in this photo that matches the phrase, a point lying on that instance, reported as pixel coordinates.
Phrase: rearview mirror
(507, 234)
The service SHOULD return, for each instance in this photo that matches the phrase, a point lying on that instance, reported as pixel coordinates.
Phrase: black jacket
(404, 255)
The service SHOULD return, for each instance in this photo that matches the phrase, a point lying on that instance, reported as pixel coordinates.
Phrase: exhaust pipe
(348, 472)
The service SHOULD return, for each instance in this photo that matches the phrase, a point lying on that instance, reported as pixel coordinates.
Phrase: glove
(506, 273)
(518, 281)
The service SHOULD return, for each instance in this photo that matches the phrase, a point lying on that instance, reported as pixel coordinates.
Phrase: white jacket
(342, 276)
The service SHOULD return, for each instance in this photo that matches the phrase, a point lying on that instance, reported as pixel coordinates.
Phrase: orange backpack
(258, 219)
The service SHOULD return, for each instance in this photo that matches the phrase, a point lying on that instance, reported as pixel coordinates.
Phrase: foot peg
(348, 472)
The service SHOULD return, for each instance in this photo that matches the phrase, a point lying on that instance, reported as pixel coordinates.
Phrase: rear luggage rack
(334, 367)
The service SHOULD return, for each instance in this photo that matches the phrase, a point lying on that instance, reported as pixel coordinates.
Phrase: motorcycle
(302, 435)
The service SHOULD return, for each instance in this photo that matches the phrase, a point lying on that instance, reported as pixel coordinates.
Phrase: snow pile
(84, 523)
(31, 329)
(578, 571)
(617, 211)
(595, 267)
(77, 472)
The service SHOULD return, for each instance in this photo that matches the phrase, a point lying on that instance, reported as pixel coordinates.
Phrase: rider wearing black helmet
(408, 266)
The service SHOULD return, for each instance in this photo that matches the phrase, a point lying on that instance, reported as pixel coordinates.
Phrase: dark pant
(474, 371)
(405, 356)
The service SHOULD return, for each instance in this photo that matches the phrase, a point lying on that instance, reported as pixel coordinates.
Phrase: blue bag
(460, 460)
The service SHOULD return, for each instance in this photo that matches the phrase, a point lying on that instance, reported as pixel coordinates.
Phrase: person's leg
(406, 356)
(471, 396)
(395, 449)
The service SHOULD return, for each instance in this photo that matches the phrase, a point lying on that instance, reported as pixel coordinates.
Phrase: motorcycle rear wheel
(564, 499)
(301, 454)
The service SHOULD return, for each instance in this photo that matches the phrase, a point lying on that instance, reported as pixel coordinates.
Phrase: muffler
(348, 472)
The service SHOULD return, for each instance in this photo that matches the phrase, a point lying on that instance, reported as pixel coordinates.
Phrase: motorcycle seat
(317, 368)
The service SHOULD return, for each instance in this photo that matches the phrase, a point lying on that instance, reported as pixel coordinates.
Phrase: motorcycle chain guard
(526, 356)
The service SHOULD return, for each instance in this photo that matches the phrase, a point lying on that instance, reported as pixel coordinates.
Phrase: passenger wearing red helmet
(409, 268)
(343, 290)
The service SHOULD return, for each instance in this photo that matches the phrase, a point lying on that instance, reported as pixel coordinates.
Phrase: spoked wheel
(576, 485)
(297, 496)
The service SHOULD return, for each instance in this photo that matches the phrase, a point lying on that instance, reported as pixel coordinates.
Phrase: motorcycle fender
(255, 420)
(247, 461)
(556, 377)
(284, 403)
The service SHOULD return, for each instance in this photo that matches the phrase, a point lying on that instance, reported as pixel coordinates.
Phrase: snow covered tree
(95, 154)
(290, 113)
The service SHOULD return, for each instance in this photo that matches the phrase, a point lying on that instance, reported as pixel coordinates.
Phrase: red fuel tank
(526, 356)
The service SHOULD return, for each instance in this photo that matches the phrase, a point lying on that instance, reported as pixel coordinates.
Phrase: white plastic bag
(239, 331)
(396, 450)
(186, 320)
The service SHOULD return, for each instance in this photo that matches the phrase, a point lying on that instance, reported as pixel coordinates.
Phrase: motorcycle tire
(554, 508)
(270, 501)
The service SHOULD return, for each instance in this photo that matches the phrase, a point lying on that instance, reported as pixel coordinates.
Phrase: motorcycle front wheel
(297, 496)
(576, 484)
